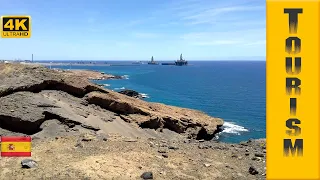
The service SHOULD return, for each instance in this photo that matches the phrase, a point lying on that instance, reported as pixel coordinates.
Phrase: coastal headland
(81, 130)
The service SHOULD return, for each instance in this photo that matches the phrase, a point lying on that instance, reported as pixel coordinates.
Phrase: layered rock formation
(32, 95)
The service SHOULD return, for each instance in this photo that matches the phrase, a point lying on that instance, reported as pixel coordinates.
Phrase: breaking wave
(125, 76)
(231, 128)
(144, 95)
(119, 88)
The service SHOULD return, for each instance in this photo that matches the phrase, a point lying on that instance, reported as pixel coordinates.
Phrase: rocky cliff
(82, 131)
(31, 95)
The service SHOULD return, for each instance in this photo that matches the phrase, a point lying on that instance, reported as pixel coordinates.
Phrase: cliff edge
(32, 94)
(80, 130)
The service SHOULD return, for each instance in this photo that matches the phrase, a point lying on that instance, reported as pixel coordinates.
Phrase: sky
(138, 29)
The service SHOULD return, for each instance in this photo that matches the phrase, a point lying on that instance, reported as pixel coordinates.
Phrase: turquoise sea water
(231, 90)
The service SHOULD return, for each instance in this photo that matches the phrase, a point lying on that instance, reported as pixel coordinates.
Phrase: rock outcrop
(31, 95)
(131, 93)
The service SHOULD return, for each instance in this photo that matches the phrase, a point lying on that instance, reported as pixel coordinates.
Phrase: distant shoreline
(78, 64)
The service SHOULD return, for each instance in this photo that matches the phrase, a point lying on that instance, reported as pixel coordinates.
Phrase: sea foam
(231, 128)
(144, 95)
(125, 76)
(119, 88)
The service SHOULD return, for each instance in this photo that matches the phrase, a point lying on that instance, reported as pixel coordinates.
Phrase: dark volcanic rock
(147, 175)
(259, 155)
(165, 155)
(117, 77)
(131, 93)
(253, 170)
(28, 163)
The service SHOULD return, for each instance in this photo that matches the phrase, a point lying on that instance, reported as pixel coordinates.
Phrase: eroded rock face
(31, 95)
(155, 115)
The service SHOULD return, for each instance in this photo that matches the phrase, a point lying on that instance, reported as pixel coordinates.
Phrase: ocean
(232, 90)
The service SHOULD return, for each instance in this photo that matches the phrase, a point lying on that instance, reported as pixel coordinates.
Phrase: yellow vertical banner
(293, 89)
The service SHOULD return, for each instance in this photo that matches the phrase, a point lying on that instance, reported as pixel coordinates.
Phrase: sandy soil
(126, 158)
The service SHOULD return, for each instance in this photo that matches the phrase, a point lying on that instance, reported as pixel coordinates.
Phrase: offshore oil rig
(152, 62)
(181, 62)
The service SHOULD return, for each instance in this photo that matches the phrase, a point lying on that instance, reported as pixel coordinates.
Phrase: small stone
(234, 155)
(12, 110)
(165, 155)
(163, 141)
(79, 144)
(243, 143)
(130, 140)
(147, 175)
(253, 170)
(162, 150)
(207, 165)
(247, 154)
(201, 146)
(263, 174)
(173, 147)
(201, 140)
(264, 151)
(151, 144)
(102, 136)
(28, 163)
(240, 157)
(247, 150)
(259, 155)
(88, 137)
(256, 158)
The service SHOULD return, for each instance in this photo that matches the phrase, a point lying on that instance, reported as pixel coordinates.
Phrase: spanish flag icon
(19, 146)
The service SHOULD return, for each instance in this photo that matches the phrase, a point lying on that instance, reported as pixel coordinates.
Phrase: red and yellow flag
(19, 146)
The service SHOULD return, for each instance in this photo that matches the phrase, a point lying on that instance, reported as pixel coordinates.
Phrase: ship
(152, 62)
(181, 62)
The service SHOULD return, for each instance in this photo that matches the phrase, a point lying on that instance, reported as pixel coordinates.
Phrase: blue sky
(138, 29)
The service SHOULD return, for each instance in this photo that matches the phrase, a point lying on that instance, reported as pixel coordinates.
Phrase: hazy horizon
(125, 29)
(145, 60)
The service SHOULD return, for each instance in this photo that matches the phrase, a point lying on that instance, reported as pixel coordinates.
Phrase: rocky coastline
(91, 132)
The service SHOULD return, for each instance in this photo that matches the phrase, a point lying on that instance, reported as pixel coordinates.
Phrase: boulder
(131, 93)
